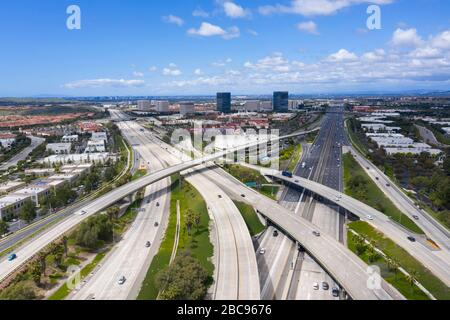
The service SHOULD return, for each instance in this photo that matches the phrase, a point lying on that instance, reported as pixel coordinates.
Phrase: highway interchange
(299, 214)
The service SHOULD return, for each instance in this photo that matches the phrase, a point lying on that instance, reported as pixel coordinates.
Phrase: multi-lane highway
(131, 257)
(236, 269)
(342, 265)
(266, 287)
(35, 142)
(429, 225)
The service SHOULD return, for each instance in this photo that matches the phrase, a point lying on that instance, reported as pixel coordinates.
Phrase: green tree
(184, 279)
(35, 271)
(4, 228)
(28, 212)
(19, 291)
(189, 220)
(411, 278)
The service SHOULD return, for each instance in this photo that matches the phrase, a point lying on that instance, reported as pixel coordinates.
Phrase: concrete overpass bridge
(345, 267)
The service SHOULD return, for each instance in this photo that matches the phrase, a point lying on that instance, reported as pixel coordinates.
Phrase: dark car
(412, 239)
(325, 285)
(243, 195)
(335, 292)
(156, 224)
(157, 204)
(275, 233)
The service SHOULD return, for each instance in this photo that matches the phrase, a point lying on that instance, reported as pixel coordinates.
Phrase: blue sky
(199, 47)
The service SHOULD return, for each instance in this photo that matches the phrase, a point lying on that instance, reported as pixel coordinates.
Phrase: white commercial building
(10, 186)
(377, 127)
(7, 139)
(94, 146)
(412, 150)
(71, 138)
(187, 108)
(389, 141)
(11, 205)
(78, 158)
(144, 105)
(99, 136)
(252, 105)
(266, 106)
(162, 106)
(36, 191)
(59, 148)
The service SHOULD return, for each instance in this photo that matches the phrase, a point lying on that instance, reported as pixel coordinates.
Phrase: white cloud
(200, 13)
(152, 69)
(406, 38)
(198, 72)
(222, 63)
(98, 83)
(174, 20)
(309, 27)
(442, 40)
(342, 56)
(172, 70)
(376, 55)
(209, 30)
(253, 32)
(138, 74)
(234, 10)
(316, 7)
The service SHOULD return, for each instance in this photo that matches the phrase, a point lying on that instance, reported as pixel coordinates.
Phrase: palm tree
(64, 241)
(411, 278)
(42, 256)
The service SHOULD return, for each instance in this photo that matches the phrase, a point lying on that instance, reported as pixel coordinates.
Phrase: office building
(281, 101)
(187, 108)
(224, 102)
(162, 106)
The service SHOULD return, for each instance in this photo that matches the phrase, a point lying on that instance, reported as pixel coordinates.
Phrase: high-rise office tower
(281, 101)
(224, 102)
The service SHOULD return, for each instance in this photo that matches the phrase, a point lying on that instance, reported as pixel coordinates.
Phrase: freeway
(345, 268)
(320, 162)
(35, 142)
(343, 265)
(236, 270)
(428, 224)
(264, 204)
(131, 258)
(439, 265)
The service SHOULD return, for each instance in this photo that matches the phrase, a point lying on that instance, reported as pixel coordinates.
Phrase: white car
(315, 286)
(262, 251)
(369, 217)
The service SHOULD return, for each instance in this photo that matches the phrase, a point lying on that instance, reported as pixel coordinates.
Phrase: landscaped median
(395, 258)
(359, 186)
(253, 179)
(194, 252)
(252, 221)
